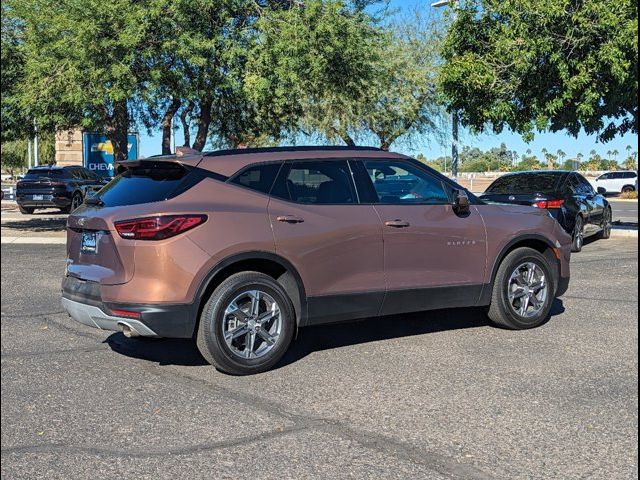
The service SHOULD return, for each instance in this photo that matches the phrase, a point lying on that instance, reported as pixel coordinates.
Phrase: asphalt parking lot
(432, 395)
(624, 211)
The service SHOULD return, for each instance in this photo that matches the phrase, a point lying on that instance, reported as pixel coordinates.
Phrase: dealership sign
(98, 152)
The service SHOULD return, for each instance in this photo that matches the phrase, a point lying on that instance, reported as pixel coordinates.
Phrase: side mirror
(461, 203)
(602, 190)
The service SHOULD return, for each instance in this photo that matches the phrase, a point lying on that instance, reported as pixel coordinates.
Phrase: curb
(624, 233)
(34, 240)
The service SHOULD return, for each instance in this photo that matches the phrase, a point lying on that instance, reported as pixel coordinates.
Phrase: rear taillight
(549, 204)
(159, 227)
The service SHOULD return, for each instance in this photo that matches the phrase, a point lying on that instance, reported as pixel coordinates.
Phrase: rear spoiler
(183, 155)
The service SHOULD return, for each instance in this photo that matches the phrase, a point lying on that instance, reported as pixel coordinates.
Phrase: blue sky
(150, 145)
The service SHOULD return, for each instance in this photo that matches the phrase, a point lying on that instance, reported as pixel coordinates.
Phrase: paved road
(437, 395)
(624, 211)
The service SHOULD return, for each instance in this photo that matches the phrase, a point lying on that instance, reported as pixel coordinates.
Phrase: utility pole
(454, 115)
(29, 153)
(454, 145)
(35, 144)
(173, 134)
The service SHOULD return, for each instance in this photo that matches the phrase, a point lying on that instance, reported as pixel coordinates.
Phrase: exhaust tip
(128, 331)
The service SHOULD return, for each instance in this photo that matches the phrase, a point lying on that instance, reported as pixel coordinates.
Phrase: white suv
(616, 182)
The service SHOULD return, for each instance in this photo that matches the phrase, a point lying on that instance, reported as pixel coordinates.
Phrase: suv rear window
(36, 173)
(148, 182)
(526, 183)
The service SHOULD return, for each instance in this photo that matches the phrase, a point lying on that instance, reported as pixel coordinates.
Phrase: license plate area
(38, 197)
(89, 243)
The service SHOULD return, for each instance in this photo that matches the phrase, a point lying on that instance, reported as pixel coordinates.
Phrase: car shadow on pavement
(327, 337)
(312, 339)
(37, 225)
(164, 351)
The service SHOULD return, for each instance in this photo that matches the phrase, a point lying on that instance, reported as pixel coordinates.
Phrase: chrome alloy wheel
(76, 201)
(606, 223)
(527, 290)
(252, 324)
(578, 234)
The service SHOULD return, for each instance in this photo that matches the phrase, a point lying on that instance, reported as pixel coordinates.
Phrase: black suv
(56, 187)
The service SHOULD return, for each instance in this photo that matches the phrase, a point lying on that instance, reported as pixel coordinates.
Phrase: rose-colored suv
(240, 248)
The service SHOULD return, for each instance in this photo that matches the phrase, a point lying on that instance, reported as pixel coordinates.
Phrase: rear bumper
(83, 302)
(47, 202)
(94, 317)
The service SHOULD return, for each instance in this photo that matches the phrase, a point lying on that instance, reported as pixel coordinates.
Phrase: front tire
(247, 324)
(523, 291)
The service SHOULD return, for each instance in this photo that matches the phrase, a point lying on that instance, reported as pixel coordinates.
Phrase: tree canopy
(85, 63)
(538, 64)
(14, 124)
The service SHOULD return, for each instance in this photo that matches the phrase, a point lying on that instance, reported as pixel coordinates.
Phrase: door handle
(290, 219)
(397, 224)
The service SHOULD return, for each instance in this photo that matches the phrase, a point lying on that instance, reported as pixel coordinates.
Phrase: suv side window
(89, 175)
(400, 183)
(584, 187)
(316, 182)
(572, 183)
(630, 175)
(258, 177)
(77, 173)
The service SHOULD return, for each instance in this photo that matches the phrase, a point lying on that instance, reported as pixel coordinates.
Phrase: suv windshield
(526, 183)
(148, 182)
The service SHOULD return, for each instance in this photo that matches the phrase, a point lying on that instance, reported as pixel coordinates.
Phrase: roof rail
(244, 151)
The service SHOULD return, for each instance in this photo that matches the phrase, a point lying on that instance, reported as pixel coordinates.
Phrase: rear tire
(26, 210)
(231, 335)
(578, 235)
(605, 232)
(512, 279)
(628, 189)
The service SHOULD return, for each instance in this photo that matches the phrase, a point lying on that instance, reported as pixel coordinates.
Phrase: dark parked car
(568, 196)
(56, 187)
(238, 249)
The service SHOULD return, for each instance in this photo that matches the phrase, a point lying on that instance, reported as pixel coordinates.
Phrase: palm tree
(561, 154)
(615, 155)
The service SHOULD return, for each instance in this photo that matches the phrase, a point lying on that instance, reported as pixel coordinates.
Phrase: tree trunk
(117, 130)
(204, 120)
(184, 119)
(345, 137)
(385, 145)
(167, 123)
